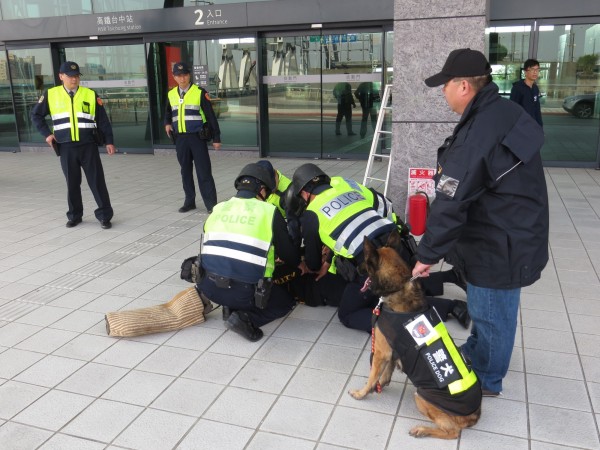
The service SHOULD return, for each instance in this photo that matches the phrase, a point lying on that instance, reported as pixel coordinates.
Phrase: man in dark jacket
(526, 92)
(491, 209)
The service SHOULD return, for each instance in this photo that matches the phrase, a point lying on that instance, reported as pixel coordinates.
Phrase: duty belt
(227, 283)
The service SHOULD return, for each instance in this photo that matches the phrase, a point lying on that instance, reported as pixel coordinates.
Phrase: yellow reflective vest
(73, 119)
(186, 114)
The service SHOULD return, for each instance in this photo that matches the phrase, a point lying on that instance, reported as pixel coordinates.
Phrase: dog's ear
(369, 250)
(394, 240)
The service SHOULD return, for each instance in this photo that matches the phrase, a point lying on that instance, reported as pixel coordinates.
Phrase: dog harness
(429, 358)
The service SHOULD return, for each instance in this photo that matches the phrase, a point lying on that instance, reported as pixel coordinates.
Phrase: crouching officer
(242, 237)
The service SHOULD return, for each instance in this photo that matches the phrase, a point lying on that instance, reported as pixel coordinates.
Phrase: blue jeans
(489, 347)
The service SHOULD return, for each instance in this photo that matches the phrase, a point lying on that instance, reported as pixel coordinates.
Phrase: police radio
(262, 292)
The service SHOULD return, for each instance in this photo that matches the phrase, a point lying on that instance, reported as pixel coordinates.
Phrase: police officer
(79, 123)
(191, 121)
(339, 214)
(242, 239)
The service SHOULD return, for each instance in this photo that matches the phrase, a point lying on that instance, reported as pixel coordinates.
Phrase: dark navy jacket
(491, 205)
(528, 98)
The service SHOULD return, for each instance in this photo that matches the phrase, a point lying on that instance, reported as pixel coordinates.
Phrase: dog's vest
(431, 360)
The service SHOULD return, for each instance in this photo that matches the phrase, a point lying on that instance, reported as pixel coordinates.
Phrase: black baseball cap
(69, 68)
(462, 62)
(180, 68)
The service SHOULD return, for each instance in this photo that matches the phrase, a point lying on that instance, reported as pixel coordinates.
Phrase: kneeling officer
(242, 237)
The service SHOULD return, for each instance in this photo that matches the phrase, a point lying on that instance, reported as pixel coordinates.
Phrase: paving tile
(284, 351)
(563, 426)
(138, 388)
(64, 442)
(400, 439)
(195, 338)
(588, 344)
(320, 314)
(103, 420)
(16, 436)
(92, 379)
(15, 396)
(85, 347)
(549, 320)
(542, 362)
(386, 402)
(14, 361)
(44, 412)
(46, 341)
(49, 371)
(262, 441)
(251, 407)
(338, 334)
(125, 354)
(264, 376)
(44, 316)
(502, 415)
(79, 321)
(74, 299)
(209, 435)
(215, 368)
(189, 397)
(169, 360)
(297, 417)
(231, 343)
(552, 340)
(348, 427)
(317, 385)
(332, 357)
(571, 394)
(300, 329)
(155, 430)
(13, 333)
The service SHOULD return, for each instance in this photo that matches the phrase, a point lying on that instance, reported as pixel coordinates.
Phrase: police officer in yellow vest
(189, 117)
(242, 239)
(338, 214)
(79, 124)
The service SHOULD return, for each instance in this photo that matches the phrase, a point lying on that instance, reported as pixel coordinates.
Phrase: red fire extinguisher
(418, 207)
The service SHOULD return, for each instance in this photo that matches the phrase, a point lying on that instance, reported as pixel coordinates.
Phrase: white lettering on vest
(331, 208)
(234, 218)
(434, 366)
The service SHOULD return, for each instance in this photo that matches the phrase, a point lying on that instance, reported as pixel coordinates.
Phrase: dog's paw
(418, 431)
(358, 395)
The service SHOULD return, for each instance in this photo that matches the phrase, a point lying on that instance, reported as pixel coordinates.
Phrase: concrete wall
(424, 34)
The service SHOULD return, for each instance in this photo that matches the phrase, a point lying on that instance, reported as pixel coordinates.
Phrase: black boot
(226, 312)
(240, 323)
(461, 313)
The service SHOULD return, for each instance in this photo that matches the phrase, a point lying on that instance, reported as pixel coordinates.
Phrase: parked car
(581, 106)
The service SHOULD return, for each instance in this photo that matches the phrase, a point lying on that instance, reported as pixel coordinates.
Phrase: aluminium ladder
(379, 135)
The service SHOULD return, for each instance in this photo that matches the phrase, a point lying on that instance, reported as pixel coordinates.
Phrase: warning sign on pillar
(421, 179)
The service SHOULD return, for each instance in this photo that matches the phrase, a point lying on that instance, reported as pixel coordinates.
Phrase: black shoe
(106, 224)
(73, 223)
(351, 134)
(186, 208)
(461, 313)
(240, 323)
(461, 282)
(488, 393)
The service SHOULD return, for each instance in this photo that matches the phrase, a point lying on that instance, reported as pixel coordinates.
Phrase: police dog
(389, 277)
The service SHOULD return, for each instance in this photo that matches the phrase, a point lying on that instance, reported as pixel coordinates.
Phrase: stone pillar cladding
(425, 32)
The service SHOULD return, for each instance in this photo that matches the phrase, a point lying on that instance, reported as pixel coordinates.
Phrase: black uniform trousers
(191, 150)
(356, 308)
(344, 111)
(366, 112)
(75, 156)
(240, 296)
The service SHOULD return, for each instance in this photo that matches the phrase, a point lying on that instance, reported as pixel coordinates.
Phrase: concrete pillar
(424, 33)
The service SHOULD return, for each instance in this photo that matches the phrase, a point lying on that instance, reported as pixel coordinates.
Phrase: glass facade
(8, 126)
(569, 82)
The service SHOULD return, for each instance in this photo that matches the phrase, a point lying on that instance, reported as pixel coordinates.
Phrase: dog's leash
(415, 277)
(374, 318)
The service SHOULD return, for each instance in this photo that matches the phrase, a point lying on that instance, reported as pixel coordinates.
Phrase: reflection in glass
(8, 127)
(308, 112)
(570, 76)
(508, 48)
(118, 75)
(224, 67)
(31, 73)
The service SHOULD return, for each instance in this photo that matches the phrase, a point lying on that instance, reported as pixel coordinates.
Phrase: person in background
(527, 93)
(490, 211)
(79, 125)
(345, 102)
(366, 95)
(191, 122)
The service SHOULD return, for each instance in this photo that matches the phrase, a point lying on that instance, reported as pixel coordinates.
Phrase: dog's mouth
(366, 286)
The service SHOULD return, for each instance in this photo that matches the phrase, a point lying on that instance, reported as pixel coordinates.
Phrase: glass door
(321, 94)
(118, 74)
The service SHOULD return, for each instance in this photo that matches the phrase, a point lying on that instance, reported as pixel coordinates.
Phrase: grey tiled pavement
(64, 384)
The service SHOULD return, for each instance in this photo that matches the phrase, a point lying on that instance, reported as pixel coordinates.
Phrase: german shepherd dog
(389, 277)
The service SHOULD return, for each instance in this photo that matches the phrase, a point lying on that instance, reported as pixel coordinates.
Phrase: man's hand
(421, 270)
(50, 139)
(323, 271)
(217, 145)
(168, 129)
(111, 149)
